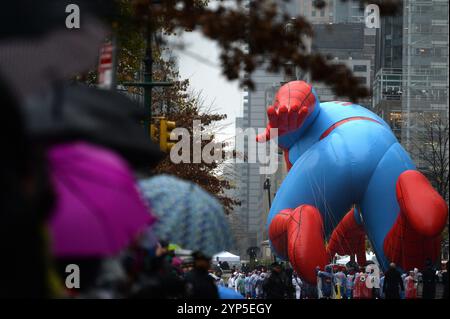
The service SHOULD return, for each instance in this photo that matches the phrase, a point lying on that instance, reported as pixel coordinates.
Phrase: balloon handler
(348, 177)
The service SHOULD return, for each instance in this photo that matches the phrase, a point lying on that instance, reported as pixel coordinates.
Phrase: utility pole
(148, 75)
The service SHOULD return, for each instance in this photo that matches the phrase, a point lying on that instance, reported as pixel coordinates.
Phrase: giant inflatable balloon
(348, 177)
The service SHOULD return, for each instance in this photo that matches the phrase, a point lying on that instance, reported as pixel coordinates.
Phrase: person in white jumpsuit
(297, 283)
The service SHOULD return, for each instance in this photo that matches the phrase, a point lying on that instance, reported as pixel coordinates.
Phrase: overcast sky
(199, 62)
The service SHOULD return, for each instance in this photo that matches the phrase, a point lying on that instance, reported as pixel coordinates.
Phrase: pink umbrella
(98, 208)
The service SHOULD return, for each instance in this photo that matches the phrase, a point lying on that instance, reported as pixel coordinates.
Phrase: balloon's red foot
(415, 236)
(298, 235)
(278, 232)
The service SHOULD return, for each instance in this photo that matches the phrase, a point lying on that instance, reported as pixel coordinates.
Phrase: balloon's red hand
(293, 103)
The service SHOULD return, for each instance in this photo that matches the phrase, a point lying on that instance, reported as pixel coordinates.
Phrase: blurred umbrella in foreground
(102, 117)
(187, 215)
(36, 47)
(25, 200)
(98, 207)
(32, 65)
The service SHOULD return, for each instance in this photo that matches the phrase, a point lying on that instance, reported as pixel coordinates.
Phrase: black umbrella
(78, 112)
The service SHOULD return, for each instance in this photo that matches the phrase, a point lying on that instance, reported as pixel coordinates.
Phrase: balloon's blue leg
(379, 206)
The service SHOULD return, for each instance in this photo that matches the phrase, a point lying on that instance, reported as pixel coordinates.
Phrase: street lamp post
(267, 187)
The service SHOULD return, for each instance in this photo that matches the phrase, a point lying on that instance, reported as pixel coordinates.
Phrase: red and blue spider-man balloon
(348, 177)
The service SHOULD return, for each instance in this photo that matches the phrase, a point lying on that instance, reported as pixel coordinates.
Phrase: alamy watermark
(372, 16)
(73, 277)
(373, 276)
(73, 17)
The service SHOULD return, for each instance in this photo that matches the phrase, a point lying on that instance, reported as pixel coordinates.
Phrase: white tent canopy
(343, 260)
(226, 256)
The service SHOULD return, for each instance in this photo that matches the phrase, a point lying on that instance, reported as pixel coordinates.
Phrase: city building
(334, 11)
(387, 86)
(349, 11)
(351, 44)
(340, 33)
(250, 188)
(424, 68)
(387, 93)
(315, 15)
(411, 79)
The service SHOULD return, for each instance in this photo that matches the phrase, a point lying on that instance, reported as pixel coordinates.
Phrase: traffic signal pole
(148, 83)
(148, 62)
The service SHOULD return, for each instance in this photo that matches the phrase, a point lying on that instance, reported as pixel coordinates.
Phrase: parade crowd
(163, 274)
(337, 282)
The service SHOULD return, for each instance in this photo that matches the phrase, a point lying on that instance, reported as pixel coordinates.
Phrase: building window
(322, 13)
(360, 68)
(422, 51)
(313, 13)
(422, 27)
(395, 119)
(361, 79)
(439, 29)
(441, 52)
(421, 9)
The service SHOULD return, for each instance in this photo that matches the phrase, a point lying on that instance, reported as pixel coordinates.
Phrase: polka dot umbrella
(187, 215)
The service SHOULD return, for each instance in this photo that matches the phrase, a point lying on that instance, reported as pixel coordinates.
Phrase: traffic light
(154, 132)
(165, 127)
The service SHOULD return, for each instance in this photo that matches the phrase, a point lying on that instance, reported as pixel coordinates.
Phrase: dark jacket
(158, 281)
(287, 277)
(429, 283)
(200, 285)
(309, 291)
(445, 282)
(392, 284)
(275, 286)
(155, 286)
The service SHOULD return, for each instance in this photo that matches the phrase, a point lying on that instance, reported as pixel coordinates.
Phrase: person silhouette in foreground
(199, 284)
(275, 286)
(393, 283)
(429, 280)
